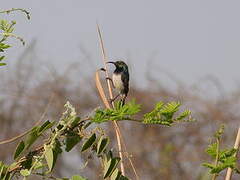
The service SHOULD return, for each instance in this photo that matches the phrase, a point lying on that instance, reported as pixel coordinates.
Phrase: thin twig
(236, 146)
(17, 9)
(14, 36)
(129, 158)
(37, 123)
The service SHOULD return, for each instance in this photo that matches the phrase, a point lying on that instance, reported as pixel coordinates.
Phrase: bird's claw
(111, 100)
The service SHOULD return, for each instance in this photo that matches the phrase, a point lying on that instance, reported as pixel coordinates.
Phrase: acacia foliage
(223, 158)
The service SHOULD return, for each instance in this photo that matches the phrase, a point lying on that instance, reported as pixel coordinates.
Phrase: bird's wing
(125, 79)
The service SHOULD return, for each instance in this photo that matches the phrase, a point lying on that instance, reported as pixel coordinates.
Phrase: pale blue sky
(189, 38)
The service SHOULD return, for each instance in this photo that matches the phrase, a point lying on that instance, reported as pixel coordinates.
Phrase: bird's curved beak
(111, 62)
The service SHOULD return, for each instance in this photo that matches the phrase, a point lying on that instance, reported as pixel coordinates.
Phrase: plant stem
(236, 146)
(216, 160)
(115, 124)
(17, 9)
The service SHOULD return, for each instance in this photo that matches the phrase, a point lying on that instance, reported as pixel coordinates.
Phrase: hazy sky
(187, 38)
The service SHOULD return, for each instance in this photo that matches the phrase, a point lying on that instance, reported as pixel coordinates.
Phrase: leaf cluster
(62, 136)
(99, 146)
(223, 158)
(118, 113)
(164, 114)
(6, 31)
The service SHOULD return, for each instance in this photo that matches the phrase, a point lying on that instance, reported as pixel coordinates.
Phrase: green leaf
(35, 133)
(25, 172)
(212, 150)
(75, 121)
(3, 169)
(46, 125)
(183, 115)
(208, 165)
(38, 165)
(19, 150)
(77, 177)
(170, 108)
(31, 137)
(230, 162)
(4, 46)
(1, 58)
(102, 144)
(89, 142)
(49, 157)
(71, 140)
(86, 125)
(115, 175)
(27, 164)
(56, 151)
(2, 64)
(110, 166)
(223, 155)
(7, 176)
(119, 113)
(163, 114)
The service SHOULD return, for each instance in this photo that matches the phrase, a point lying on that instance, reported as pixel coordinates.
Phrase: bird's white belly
(117, 81)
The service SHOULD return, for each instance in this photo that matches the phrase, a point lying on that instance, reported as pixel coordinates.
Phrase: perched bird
(120, 80)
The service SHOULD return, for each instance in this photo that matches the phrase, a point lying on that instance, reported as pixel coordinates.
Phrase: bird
(120, 80)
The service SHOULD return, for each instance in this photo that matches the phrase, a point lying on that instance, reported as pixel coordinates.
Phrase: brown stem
(115, 124)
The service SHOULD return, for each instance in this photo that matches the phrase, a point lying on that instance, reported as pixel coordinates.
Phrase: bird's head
(119, 65)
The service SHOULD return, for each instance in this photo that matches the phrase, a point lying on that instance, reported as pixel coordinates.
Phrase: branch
(17, 9)
(37, 123)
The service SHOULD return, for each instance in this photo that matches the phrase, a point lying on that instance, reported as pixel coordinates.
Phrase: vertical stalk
(236, 146)
(216, 160)
(115, 124)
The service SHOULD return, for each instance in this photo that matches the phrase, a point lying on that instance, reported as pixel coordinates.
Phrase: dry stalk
(236, 146)
(119, 136)
(105, 101)
(128, 157)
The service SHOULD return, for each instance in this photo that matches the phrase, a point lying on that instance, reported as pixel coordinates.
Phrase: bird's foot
(111, 100)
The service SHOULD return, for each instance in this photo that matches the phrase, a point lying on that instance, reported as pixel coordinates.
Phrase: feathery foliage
(163, 114)
(119, 113)
(223, 158)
